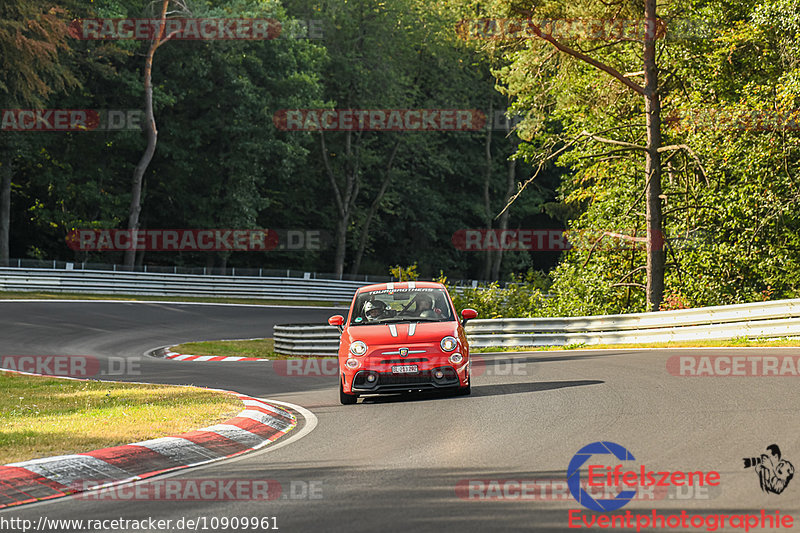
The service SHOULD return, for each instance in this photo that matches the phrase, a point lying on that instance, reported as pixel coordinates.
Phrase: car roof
(401, 285)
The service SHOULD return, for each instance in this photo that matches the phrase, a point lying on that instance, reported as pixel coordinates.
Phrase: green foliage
(524, 296)
(731, 200)
(404, 274)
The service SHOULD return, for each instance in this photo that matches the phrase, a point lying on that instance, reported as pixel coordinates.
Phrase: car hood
(424, 332)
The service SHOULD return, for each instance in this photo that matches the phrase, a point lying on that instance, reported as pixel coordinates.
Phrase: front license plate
(405, 369)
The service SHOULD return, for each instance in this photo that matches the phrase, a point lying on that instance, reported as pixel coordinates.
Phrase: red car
(401, 337)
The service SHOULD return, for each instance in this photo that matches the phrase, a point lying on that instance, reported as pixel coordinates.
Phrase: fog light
(438, 374)
(371, 378)
(351, 363)
(456, 358)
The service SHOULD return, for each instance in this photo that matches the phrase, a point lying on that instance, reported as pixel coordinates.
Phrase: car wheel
(344, 398)
(465, 391)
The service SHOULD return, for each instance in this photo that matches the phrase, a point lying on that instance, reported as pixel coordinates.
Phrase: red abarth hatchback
(401, 337)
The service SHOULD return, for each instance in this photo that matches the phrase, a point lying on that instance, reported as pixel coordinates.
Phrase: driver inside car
(375, 310)
(425, 307)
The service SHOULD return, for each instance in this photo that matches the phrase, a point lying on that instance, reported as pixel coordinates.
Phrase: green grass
(17, 295)
(263, 348)
(43, 416)
(738, 341)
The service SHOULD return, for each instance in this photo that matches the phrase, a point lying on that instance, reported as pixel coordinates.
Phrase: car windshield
(401, 305)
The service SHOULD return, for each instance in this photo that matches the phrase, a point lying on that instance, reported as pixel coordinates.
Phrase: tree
(33, 40)
(649, 91)
(150, 128)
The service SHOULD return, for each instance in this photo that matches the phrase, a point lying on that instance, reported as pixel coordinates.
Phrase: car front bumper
(375, 381)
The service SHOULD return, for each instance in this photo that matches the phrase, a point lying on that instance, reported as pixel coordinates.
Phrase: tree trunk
(387, 178)
(655, 247)
(152, 136)
(487, 206)
(341, 243)
(512, 179)
(5, 209)
(345, 200)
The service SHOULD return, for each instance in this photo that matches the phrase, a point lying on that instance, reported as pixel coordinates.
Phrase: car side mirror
(468, 314)
(338, 321)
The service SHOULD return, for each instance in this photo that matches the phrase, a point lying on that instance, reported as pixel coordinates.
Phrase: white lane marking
(412, 284)
(265, 447)
(271, 408)
(265, 419)
(180, 450)
(237, 434)
(181, 357)
(72, 469)
(308, 427)
(204, 357)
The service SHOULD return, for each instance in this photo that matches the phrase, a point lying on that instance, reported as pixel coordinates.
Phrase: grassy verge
(42, 417)
(10, 295)
(263, 348)
(737, 342)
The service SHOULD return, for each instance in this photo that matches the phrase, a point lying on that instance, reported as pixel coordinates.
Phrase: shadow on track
(481, 390)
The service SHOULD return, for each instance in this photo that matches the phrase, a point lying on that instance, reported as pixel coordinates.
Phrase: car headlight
(358, 348)
(351, 363)
(456, 358)
(448, 344)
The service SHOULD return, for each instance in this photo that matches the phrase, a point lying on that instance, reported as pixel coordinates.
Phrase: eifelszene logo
(610, 478)
(774, 473)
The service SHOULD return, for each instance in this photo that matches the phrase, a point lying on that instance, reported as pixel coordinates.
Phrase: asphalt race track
(401, 464)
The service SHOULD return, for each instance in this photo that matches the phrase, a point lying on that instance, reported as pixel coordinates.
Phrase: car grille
(403, 361)
(402, 379)
(388, 381)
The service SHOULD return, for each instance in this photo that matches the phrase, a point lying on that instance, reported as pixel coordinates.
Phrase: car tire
(344, 398)
(464, 391)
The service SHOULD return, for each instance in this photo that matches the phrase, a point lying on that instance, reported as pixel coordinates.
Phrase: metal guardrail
(764, 319)
(306, 339)
(239, 283)
(55, 264)
(152, 284)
